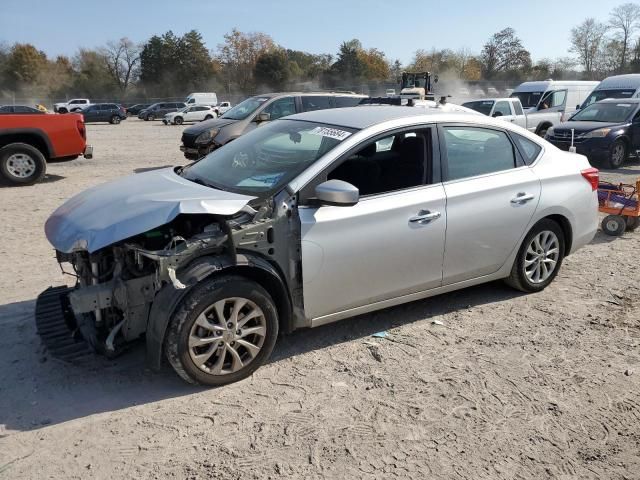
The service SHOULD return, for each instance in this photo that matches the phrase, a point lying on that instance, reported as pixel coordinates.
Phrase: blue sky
(397, 28)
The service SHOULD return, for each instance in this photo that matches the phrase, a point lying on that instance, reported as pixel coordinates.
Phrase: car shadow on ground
(37, 390)
(48, 178)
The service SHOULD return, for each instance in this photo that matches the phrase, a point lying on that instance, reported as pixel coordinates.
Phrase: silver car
(305, 221)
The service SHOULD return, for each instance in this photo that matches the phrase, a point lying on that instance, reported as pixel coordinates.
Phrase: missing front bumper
(56, 325)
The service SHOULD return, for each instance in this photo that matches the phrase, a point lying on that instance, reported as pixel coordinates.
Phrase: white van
(550, 102)
(619, 86)
(209, 98)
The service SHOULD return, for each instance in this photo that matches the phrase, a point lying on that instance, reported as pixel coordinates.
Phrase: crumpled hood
(132, 205)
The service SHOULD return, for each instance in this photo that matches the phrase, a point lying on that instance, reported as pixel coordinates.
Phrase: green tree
(196, 65)
(272, 69)
(92, 78)
(504, 53)
(23, 65)
(350, 66)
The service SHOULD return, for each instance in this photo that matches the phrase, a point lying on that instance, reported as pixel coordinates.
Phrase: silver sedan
(312, 219)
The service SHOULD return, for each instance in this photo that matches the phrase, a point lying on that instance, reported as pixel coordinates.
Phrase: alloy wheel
(542, 256)
(21, 165)
(227, 336)
(618, 153)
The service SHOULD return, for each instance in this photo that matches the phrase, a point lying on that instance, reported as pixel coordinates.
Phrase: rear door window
(281, 108)
(311, 103)
(473, 151)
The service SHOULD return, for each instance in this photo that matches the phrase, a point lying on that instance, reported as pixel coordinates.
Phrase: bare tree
(624, 20)
(587, 40)
(123, 62)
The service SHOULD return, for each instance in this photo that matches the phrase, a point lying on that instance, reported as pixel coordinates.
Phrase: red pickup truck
(27, 141)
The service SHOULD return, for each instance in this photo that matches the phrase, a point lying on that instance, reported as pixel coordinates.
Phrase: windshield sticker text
(334, 133)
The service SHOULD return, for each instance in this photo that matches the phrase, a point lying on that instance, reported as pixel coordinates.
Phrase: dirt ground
(510, 386)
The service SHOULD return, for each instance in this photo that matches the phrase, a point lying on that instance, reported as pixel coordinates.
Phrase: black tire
(8, 172)
(614, 225)
(518, 278)
(208, 117)
(62, 110)
(150, 117)
(542, 131)
(200, 299)
(115, 120)
(128, 114)
(178, 120)
(618, 154)
(632, 223)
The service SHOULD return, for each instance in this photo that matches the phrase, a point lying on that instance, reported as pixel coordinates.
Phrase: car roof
(367, 115)
(306, 94)
(493, 99)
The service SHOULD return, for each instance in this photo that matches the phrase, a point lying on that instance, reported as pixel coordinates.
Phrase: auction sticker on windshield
(334, 133)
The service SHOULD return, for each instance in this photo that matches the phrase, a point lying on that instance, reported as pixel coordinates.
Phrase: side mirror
(337, 193)
(263, 117)
(496, 114)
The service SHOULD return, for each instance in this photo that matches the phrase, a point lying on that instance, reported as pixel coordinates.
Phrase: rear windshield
(598, 95)
(482, 106)
(528, 99)
(606, 112)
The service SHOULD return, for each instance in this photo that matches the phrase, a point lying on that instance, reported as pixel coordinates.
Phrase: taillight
(81, 129)
(591, 175)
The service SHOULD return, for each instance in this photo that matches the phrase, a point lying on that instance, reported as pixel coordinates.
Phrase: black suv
(204, 137)
(104, 112)
(159, 110)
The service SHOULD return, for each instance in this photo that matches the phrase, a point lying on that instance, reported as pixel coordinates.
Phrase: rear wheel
(22, 164)
(614, 225)
(178, 120)
(539, 257)
(222, 331)
(208, 117)
(542, 130)
(632, 223)
(115, 120)
(150, 116)
(62, 110)
(617, 154)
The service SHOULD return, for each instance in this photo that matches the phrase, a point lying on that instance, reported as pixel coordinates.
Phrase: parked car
(104, 112)
(207, 98)
(6, 109)
(202, 138)
(605, 132)
(507, 109)
(549, 102)
(74, 105)
(135, 109)
(159, 110)
(390, 92)
(618, 86)
(29, 140)
(196, 113)
(222, 107)
(209, 262)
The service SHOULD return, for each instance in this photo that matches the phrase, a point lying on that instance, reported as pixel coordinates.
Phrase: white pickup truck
(74, 105)
(222, 107)
(510, 110)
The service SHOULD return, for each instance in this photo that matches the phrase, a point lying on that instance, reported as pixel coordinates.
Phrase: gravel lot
(510, 386)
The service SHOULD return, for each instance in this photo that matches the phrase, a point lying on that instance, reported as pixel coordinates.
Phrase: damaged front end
(127, 290)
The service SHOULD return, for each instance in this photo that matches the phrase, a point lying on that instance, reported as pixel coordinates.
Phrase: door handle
(522, 198)
(425, 216)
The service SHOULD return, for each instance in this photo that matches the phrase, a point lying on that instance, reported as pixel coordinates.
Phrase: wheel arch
(252, 267)
(544, 124)
(31, 136)
(567, 230)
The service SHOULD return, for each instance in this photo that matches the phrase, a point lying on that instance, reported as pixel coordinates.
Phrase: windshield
(528, 99)
(267, 158)
(598, 95)
(482, 106)
(244, 109)
(605, 112)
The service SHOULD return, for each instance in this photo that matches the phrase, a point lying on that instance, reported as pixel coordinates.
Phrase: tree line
(171, 65)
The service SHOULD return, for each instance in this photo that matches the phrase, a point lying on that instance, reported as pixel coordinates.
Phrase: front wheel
(222, 331)
(208, 117)
(542, 131)
(22, 164)
(178, 120)
(539, 258)
(115, 120)
(150, 117)
(617, 154)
